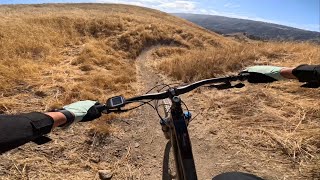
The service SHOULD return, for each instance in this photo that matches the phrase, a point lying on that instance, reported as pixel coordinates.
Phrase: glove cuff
(69, 116)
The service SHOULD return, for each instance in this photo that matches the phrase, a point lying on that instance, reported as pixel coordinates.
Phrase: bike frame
(180, 142)
(175, 126)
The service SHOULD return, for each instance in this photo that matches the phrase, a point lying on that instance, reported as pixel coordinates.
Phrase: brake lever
(108, 111)
(100, 107)
(103, 109)
(226, 85)
(239, 85)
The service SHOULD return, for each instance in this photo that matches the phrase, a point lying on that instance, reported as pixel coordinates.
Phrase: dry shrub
(145, 36)
(92, 54)
(162, 52)
(206, 63)
(86, 67)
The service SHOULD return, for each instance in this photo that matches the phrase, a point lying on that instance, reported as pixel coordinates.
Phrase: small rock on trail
(105, 174)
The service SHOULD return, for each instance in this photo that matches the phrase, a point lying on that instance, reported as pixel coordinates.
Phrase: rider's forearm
(287, 73)
(58, 118)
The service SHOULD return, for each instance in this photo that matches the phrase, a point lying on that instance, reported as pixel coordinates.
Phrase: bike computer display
(115, 102)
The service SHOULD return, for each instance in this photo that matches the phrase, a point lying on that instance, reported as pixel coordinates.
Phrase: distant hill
(253, 29)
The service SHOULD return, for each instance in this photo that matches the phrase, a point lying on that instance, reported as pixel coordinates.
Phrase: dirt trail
(146, 135)
(142, 133)
(148, 131)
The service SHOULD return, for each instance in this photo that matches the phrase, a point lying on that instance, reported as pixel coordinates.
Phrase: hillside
(55, 54)
(253, 29)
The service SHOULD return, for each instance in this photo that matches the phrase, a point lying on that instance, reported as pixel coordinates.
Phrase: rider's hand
(83, 110)
(264, 74)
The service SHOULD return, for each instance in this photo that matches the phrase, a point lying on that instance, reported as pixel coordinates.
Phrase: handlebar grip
(100, 107)
(259, 78)
(244, 76)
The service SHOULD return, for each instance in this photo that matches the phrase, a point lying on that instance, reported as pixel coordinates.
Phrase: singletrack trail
(147, 130)
(143, 131)
(147, 135)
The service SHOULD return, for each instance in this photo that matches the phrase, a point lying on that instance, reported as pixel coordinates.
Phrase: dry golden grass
(51, 55)
(271, 124)
(266, 121)
(54, 54)
(73, 52)
(209, 62)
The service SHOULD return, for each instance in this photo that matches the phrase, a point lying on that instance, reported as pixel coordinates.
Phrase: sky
(303, 14)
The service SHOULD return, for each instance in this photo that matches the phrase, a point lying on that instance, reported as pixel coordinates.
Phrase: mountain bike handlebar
(114, 104)
(184, 89)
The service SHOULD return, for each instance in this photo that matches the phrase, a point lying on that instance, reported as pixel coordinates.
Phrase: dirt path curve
(148, 141)
(148, 133)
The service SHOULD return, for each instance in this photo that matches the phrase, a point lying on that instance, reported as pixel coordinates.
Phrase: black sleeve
(307, 73)
(16, 130)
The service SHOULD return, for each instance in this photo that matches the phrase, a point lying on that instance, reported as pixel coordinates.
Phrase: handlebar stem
(176, 109)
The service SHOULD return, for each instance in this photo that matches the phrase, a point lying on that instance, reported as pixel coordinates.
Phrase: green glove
(83, 110)
(270, 71)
